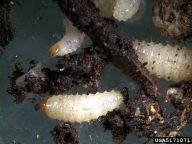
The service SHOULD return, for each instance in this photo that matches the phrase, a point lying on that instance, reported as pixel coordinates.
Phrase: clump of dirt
(6, 30)
(80, 69)
(64, 134)
(173, 19)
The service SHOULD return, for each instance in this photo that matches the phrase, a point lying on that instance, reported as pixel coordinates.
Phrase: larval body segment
(120, 9)
(170, 62)
(82, 108)
(125, 9)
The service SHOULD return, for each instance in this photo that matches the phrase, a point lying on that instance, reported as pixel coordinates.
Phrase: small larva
(69, 43)
(170, 62)
(80, 108)
(125, 9)
(119, 9)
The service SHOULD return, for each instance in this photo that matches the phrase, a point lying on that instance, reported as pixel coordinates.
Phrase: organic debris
(80, 69)
(6, 30)
(64, 134)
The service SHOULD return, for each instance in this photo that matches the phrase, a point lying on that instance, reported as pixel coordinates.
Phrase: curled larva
(119, 9)
(170, 62)
(69, 43)
(125, 9)
(81, 108)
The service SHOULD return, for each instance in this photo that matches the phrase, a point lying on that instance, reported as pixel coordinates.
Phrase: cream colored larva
(169, 62)
(125, 9)
(119, 9)
(81, 108)
(70, 42)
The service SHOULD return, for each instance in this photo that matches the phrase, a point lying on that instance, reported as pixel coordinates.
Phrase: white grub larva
(81, 108)
(125, 9)
(169, 62)
(69, 43)
(119, 9)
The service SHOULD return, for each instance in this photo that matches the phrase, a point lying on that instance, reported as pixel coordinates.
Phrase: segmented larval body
(70, 42)
(81, 108)
(169, 62)
(106, 7)
(125, 9)
(120, 9)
